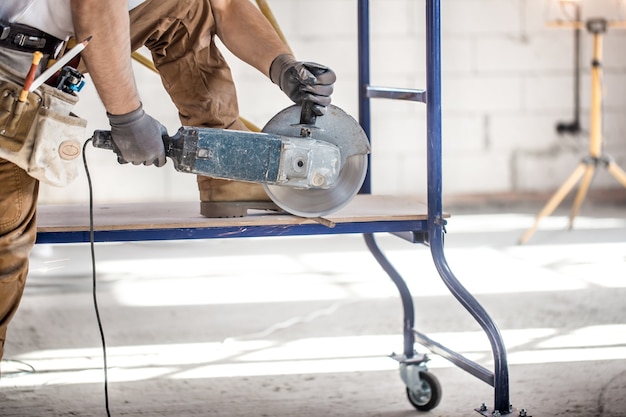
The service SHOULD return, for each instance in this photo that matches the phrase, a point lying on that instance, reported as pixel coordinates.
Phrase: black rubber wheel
(430, 396)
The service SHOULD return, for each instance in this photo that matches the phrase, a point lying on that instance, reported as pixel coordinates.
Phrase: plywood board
(143, 216)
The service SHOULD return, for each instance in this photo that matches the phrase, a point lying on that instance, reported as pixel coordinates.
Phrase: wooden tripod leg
(617, 172)
(556, 199)
(582, 193)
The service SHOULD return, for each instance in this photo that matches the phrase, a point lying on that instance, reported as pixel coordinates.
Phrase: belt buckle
(29, 41)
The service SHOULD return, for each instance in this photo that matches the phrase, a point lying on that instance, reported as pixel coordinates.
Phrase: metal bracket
(4, 31)
(410, 369)
(512, 412)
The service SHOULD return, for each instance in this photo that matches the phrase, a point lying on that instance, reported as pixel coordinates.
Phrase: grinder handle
(307, 116)
(104, 140)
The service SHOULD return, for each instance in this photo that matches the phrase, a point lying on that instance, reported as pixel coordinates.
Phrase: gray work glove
(303, 81)
(138, 138)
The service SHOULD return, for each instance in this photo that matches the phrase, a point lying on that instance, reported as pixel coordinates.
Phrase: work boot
(226, 198)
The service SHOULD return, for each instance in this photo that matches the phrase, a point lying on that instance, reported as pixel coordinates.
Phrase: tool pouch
(41, 135)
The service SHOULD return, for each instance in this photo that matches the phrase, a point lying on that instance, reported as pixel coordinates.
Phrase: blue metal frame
(364, 81)
(499, 379)
(128, 235)
(429, 231)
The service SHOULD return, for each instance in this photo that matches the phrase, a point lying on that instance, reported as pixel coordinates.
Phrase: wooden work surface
(146, 216)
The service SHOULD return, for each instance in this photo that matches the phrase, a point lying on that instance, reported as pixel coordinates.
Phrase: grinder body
(246, 156)
(308, 167)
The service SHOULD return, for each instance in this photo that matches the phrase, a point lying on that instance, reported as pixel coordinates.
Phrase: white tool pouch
(40, 135)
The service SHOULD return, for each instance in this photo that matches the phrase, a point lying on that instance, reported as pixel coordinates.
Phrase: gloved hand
(138, 138)
(303, 81)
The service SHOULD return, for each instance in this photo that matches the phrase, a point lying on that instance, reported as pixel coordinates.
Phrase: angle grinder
(309, 166)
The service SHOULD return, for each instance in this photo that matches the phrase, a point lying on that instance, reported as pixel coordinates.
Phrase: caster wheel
(429, 394)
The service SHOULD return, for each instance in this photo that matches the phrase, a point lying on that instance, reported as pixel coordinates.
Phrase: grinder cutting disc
(335, 127)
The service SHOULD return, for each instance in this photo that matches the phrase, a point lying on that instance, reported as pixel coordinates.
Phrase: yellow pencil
(59, 64)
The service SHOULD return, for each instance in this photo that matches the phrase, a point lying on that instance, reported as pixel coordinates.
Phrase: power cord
(93, 279)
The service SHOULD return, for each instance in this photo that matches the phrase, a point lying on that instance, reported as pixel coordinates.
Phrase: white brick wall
(507, 81)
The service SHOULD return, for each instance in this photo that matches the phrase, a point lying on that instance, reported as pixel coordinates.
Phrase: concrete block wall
(507, 81)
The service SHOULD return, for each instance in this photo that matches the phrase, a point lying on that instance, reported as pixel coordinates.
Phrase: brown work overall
(180, 34)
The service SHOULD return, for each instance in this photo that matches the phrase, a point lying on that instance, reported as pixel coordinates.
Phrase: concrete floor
(302, 326)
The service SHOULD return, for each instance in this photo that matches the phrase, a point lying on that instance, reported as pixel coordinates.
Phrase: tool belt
(27, 39)
(41, 134)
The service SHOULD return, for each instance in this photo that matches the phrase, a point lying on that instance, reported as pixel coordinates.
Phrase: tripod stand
(588, 165)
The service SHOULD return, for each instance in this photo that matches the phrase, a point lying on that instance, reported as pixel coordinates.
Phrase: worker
(181, 37)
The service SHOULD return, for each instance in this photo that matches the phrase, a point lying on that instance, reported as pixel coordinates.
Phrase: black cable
(93, 277)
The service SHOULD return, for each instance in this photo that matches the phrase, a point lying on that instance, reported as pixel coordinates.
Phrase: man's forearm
(107, 56)
(246, 33)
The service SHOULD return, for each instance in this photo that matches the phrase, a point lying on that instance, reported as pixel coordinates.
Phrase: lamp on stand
(585, 170)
